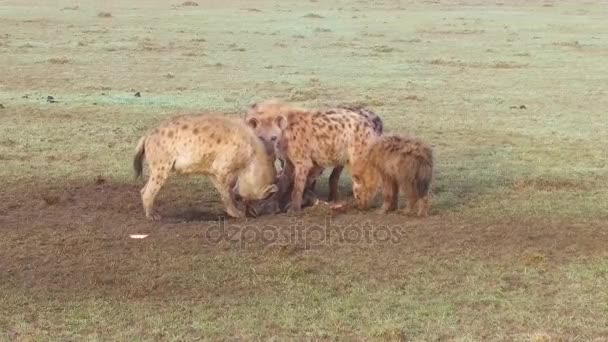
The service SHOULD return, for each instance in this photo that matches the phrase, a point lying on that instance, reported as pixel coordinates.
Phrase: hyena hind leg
(334, 182)
(158, 177)
(412, 199)
(423, 206)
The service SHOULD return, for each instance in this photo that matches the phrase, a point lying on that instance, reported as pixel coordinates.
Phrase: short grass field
(512, 95)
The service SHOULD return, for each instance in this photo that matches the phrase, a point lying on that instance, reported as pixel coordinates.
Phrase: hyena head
(258, 179)
(269, 130)
(268, 121)
(365, 185)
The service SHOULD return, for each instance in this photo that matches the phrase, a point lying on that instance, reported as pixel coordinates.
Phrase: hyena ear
(253, 122)
(252, 107)
(281, 121)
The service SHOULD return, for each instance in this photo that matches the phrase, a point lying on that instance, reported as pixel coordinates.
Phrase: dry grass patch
(413, 98)
(463, 64)
(313, 16)
(412, 40)
(550, 184)
(59, 60)
(104, 15)
(372, 35)
(571, 44)
(149, 45)
(453, 32)
(384, 49)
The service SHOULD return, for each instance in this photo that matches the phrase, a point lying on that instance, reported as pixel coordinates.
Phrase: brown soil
(74, 238)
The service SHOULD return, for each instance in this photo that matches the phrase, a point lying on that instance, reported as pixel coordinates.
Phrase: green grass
(293, 301)
(513, 251)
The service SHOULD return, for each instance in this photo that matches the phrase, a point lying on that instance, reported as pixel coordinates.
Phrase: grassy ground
(512, 95)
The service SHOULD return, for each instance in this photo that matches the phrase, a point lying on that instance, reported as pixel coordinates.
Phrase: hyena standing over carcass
(260, 117)
(311, 140)
(399, 163)
(223, 148)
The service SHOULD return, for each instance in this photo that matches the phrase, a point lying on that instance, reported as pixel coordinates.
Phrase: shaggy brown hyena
(223, 148)
(311, 140)
(398, 163)
(259, 117)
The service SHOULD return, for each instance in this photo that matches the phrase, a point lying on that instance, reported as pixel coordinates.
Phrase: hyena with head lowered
(260, 117)
(398, 163)
(223, 148)
(311, 140)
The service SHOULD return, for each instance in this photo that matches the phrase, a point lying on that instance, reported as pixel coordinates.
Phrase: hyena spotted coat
(311, 140)
(223, 148)
(260, 115)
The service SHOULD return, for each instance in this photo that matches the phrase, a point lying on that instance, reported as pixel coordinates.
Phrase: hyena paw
(383, 210)
(153, 216)
(290, 209)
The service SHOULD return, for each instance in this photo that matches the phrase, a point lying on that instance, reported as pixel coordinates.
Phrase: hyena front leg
(390, 193)
(313, 175)
(158, 177)
(302, 169)
(224, 185)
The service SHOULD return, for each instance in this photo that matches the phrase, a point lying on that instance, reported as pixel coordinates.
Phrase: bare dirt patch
(106, 207)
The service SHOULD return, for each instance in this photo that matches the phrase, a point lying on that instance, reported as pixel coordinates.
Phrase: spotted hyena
(311, 140)
(258, 117)
(223, 148)
(398, 163)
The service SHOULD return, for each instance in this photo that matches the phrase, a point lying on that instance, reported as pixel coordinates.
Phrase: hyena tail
(424, 175)
(138, 160)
